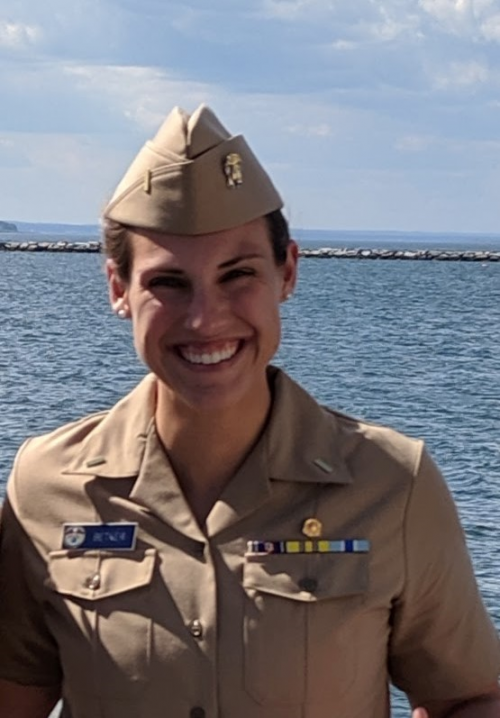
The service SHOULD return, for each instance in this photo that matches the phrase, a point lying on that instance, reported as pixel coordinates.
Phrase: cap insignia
(233, 170)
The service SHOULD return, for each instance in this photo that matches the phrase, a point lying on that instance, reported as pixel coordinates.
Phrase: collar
(114, 446)
(303, 441)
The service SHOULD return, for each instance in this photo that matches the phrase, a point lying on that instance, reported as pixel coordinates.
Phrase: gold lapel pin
(312, 528)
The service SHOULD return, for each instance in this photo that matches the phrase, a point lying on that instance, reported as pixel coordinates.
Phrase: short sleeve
(443, 643)
(28, 653)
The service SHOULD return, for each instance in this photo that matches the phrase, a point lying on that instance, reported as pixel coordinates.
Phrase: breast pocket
(301, 626)
(100, 606)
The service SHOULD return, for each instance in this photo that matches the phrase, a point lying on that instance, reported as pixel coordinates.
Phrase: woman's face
(205, 311)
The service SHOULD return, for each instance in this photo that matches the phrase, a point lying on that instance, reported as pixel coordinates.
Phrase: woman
(217, 544)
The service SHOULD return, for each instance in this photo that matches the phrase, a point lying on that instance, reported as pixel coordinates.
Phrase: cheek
(150, 322)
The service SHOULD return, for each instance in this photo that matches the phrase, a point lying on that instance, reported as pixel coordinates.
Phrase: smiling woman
(217, 544)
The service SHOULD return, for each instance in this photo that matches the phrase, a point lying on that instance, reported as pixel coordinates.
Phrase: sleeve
(28, 652)
(443, 644)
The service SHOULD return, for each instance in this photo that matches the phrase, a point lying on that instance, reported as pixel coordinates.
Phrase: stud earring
(288, 296)
(121, 314)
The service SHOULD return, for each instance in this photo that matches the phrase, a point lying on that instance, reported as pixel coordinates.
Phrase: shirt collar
(304, 441)
(301, 442)
(115, 446)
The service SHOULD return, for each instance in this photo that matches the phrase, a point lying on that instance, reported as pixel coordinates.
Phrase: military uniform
(332, 560)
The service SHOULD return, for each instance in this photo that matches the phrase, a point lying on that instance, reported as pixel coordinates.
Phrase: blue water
(412, 344)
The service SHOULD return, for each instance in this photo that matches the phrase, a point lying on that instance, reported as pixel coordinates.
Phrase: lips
(209, 355)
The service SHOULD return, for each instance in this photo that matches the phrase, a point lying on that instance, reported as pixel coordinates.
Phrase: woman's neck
(206, 448)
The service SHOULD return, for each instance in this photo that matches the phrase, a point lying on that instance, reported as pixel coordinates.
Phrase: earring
(121, 314)
(287, 296)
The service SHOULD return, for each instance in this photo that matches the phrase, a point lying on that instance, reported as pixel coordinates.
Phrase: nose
(206, 311)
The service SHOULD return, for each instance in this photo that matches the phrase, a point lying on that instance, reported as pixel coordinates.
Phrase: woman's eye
(168, 282)
(237, 273)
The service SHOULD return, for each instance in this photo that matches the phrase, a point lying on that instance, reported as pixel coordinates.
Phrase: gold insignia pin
(312, 528)
(233, 170)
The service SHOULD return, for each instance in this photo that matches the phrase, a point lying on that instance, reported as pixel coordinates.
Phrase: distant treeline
(7, 227)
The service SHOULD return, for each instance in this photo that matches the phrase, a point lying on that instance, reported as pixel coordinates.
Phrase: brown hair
(117, 246)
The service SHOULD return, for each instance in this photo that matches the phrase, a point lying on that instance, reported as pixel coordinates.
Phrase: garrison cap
(193, 178)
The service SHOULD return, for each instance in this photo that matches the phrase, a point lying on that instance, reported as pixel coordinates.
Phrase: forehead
(150, 248)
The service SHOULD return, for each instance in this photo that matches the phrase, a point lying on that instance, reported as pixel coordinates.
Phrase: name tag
(117, 536)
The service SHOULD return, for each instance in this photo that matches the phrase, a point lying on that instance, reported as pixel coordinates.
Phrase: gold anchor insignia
(312, 528)
(233, 170)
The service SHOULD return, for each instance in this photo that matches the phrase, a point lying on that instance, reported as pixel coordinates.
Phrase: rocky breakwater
(75, 247)
(323, 253)
(403, 254)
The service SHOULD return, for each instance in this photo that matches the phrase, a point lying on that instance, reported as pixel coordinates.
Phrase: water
(410, 344)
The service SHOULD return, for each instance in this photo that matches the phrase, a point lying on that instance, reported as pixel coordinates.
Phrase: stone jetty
(75, 247)
(446, 255)
(323, 253)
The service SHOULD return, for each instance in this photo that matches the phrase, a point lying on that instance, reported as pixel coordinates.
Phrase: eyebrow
(240, 258)
(223, 265)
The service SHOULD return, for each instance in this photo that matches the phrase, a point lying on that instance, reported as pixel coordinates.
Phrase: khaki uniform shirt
(196, 623)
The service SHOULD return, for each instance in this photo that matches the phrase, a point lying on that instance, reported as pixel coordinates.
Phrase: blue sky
(368, 114)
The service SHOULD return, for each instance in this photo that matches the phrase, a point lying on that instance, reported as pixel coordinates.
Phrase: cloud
(414, 143)
(321, 130)
(142, 95)
(12, 154)
(473, 19)
(490, 28)
(462, 75)
(291, 9)
(18, 36)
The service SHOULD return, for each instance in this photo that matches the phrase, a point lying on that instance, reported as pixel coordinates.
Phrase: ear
(290, 270)
(117, 288)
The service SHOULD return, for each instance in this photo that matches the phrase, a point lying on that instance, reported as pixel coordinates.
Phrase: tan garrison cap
(193, 178)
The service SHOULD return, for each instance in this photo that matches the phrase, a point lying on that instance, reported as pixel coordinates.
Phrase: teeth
(208, 357)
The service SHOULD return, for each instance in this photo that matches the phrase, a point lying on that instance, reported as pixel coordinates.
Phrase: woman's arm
(485, 705)
(17, 701)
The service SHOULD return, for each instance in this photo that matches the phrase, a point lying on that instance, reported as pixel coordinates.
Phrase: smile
(206, 356)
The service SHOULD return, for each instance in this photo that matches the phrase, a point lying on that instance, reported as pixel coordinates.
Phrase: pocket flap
(98, 574)
(305, 578)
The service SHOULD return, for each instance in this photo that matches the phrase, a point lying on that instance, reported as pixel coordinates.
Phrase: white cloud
(414, 143)
(343, 45)
(462, 75)
(474, 19)
(141, 94)
(291, 9)
(490, 28)
(17, 36)
(394, 21)
(321, 130)
(12, 154)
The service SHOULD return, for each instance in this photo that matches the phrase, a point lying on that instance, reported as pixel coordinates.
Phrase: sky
(368, 114)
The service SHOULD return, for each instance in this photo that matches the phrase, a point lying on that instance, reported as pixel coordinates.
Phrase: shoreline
(322, 253)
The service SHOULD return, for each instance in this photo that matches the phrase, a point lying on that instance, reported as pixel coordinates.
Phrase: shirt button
(196, 629)
(93, 582)
(197, 712)
(308, 584)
